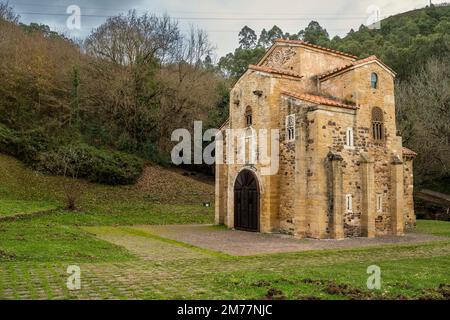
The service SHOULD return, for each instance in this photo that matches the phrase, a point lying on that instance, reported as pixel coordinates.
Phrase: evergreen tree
(267, 38)
(315, 34)
(247, 38)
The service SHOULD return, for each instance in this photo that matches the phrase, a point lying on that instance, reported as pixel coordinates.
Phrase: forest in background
(103, 107)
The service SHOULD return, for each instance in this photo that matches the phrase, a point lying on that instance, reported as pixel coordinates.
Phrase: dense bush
(8, 141)
(77, 161)
(96, 165)
(25, 146)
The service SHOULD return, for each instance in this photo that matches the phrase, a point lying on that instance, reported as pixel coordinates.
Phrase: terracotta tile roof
(305, 43)
(276, 71)
(409, 152)
(351, 65)
(318, 100)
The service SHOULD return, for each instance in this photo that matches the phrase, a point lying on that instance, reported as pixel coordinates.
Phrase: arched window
(377, 124)
(248, 116)
(374, 80)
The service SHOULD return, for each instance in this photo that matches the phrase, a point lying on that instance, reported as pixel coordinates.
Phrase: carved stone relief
(279, 57)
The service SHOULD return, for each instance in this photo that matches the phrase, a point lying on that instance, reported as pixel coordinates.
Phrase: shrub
(76, 161)
(8, 141)
(95, 165)
(25, 147)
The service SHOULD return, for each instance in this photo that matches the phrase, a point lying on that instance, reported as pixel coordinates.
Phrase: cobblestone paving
(161, 270)
(240, 243)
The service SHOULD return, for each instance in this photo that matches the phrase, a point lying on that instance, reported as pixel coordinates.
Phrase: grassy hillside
(22, 189)
(161, 197)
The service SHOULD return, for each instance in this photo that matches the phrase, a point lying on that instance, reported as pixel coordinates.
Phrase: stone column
(229, 196)
(338, 203)
(367, 196)
(218, 219)
(397, 219)
(316, 172)
(300, 201)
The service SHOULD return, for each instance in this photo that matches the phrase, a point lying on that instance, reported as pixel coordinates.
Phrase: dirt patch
(342, 289)
(275, 294)
(309, 298)
(350, 292)
(5, 256)
(442, 292)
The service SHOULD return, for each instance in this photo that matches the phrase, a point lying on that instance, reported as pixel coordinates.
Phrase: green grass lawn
(58, 236)
(437, 228)
(36, 250)
(59, 239)
(10, 207)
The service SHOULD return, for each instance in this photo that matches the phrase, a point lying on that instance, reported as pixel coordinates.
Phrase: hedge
(95, 165)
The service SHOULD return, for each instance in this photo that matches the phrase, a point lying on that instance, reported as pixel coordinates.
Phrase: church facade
(342, 170)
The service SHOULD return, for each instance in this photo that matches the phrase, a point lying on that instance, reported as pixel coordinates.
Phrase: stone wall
(355, 86)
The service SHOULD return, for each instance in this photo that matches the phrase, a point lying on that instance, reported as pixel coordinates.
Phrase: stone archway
(246, 202)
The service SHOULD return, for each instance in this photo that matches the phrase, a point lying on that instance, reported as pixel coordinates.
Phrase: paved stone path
(166, 269)
(240, 243)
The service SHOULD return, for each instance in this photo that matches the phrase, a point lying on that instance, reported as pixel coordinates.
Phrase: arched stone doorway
(246, 202)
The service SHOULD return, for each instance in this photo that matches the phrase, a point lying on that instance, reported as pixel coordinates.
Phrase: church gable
(290, 54)
(280, 57)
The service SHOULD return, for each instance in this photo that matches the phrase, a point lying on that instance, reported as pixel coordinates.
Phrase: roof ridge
(353, 64)
(275, 70)
(306, 43)
(318, 99)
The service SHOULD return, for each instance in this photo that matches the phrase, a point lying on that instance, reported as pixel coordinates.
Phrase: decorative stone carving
(279, 57)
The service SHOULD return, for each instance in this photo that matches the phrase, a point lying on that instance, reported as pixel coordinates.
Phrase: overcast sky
(222, 19)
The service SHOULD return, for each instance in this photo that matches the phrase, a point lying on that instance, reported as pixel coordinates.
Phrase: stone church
(342, 172)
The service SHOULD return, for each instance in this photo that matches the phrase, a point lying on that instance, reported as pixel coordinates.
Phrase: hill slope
(404, 41)
(157, 185)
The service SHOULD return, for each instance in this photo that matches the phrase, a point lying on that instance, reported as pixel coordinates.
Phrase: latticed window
(374, 80)
(290, 127)
(248, 116)
(377, 124)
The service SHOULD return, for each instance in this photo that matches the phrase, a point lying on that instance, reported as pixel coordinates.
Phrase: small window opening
(374, 80)
(290, 127)
(248, 116)
(349, 142)
(349, 203)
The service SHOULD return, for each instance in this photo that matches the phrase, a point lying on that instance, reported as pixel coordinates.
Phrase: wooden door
(246, 202)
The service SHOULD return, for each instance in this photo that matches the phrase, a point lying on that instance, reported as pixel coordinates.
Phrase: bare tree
(424, 113)
(152, 77)
(131, 39)
(69, 167)
(7, 13)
